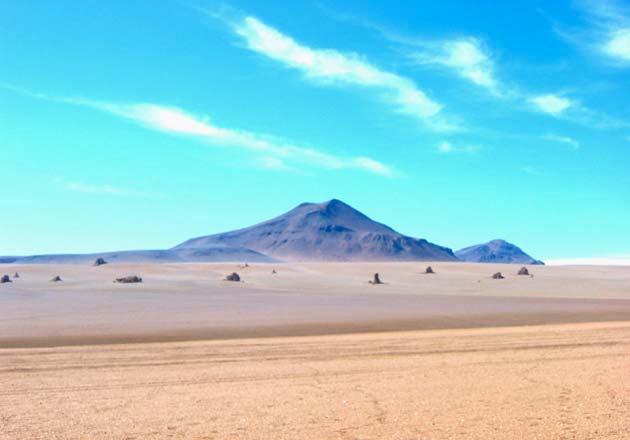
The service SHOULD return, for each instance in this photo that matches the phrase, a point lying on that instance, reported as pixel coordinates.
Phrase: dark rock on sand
(129, 279)
(16, 275)
(5, 279)
(56, 279)
(523, 271)
(233, 277)
(376, 280)
(99, 261)
(429, 270)
(498, 276)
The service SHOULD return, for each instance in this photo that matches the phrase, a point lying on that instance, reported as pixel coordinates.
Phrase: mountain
(329, 231)
(495, 251)
(209, 254)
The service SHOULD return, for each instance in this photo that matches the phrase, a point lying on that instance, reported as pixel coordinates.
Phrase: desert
(314, 220)
(315, 351)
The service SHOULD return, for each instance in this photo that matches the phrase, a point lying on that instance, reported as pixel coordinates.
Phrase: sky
(137, 125)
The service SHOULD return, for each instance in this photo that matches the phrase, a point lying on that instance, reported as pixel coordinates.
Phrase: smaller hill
(495, 251)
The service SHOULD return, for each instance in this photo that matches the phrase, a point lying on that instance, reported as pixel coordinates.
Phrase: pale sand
(191, 301)
(559, 381)
(566, 381)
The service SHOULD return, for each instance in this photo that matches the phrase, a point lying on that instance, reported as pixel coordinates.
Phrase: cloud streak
(176, 121)
(329, 66)
(102, 189)
(607, 33)
(449, 148)
(551, 104)
(566, 140)
(465, 56)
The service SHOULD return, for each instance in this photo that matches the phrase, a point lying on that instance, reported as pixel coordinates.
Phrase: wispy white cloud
(104, 189)
(551, 104)
(607, 33)
(333, 66)
(574, 144)
(174, 120)
(448, 148)
(610, 29)
(618, 45)
(467, 57)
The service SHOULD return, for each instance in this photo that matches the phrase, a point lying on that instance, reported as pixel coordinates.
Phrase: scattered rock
(56, 279)
(16, 275)
(99, 261)
(376, 280)
(274, 272)
(523, 271)
(429, 270)
(5, 279)
(129, 279)
(233, 277)
(498, 276)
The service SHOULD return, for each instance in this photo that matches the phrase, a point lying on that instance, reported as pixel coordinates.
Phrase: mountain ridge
(327, 231)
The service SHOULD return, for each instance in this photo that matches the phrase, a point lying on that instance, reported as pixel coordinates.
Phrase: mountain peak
(330, 230)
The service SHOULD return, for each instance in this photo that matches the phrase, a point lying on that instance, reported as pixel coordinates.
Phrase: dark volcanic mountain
(495, 251)
(329, 231)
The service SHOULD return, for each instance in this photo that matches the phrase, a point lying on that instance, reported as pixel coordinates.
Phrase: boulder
(274, 272)
(56, 279)
(498, 276)
(233, 277)
(5, 279)
(376, 280)
(129, 279)
(523, 271)
(429, 269)
(16, 275)
(99, 261)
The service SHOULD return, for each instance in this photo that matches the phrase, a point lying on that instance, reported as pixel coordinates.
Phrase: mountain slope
(209, 254)
(495, 251)
(329, 231)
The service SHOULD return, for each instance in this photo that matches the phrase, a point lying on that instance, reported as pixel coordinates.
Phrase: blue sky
(128, 125)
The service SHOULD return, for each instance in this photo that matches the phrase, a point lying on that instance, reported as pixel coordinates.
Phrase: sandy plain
(315, 352)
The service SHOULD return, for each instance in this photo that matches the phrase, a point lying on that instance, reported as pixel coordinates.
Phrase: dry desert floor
(315, 352)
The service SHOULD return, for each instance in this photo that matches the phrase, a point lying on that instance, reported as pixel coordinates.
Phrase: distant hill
(329, 231)
(210, 254)
(495, 251)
